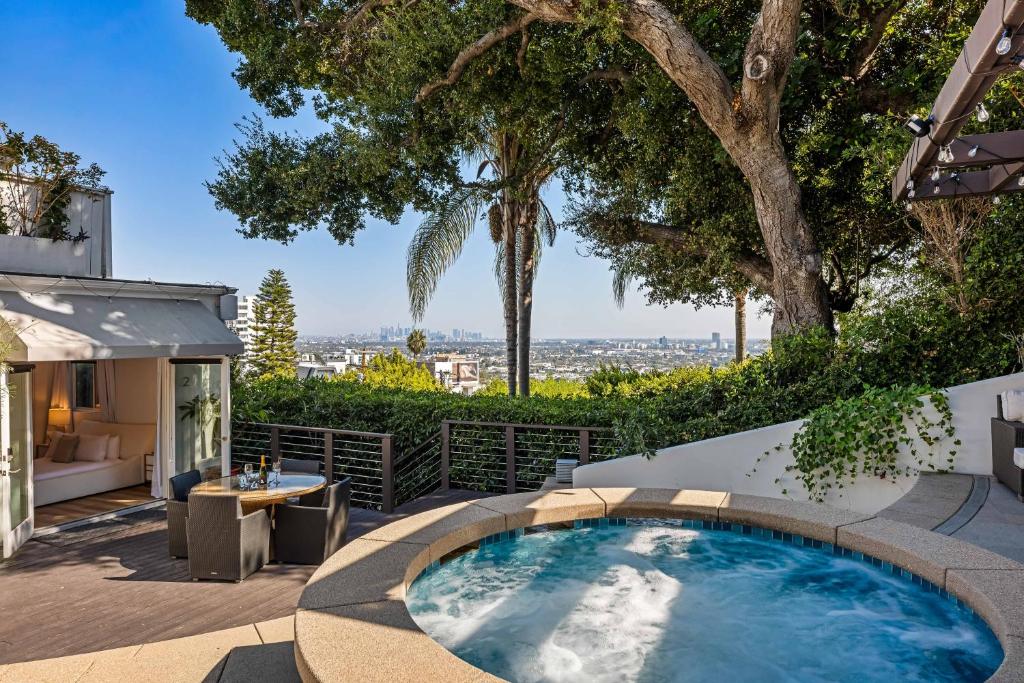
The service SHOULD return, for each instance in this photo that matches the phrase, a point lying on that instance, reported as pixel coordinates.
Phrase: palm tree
(416, 342)
(519, 224)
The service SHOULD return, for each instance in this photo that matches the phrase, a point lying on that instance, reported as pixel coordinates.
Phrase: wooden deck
(122, 589)
(69, 510)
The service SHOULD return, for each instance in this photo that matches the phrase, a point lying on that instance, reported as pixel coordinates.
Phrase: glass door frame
(13, 536)
(167, 415)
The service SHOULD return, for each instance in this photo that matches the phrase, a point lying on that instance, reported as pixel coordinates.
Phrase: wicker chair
(222, 542)
(1007, 435)
(310, 533)
(296, 466)
(177, 512)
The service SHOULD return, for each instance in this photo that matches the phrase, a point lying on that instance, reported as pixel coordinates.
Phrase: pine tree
(273, 329)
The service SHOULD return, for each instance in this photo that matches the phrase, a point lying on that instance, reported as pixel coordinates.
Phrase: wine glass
(244, 483)
(276, 467)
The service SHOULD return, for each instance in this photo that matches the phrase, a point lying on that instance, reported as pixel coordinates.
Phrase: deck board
(68, 510)
(123, 589)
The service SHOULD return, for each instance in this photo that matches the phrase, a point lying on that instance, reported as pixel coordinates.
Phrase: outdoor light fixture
(936, 175)
(920, 127)
(1020, 181)
(974, 152)
(1004, 44)
(945, 154)
(982, 112)
(910, 184)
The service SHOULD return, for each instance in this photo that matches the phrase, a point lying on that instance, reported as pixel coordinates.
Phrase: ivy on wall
(865, 436)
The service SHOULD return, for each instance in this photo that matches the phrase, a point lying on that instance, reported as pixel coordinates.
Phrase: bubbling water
(655, 601)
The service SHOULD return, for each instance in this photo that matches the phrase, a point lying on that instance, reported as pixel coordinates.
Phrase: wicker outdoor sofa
(1007, 435)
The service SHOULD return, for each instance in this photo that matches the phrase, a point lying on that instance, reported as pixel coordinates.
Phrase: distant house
(459, 373)
(138, 368)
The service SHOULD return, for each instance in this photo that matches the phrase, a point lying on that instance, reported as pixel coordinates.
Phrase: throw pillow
(64, 451)
(52, 444)
(92, 447)
(114, 447)
(1013, 405)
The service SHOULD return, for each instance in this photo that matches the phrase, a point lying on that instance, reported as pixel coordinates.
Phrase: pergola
(936, 166)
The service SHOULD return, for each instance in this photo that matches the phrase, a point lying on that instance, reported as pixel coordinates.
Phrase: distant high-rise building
(716, 341)
(242, 325)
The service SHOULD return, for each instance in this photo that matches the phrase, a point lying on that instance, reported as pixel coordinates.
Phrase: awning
(56, 327)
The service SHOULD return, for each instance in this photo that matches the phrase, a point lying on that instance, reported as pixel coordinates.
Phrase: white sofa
(54, 481)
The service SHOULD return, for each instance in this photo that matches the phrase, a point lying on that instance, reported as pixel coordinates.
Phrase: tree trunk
(799, 291)
(741, 324)
(509, 213)
(527, 270)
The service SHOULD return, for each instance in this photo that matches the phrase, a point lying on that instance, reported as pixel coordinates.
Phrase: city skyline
(159, 105)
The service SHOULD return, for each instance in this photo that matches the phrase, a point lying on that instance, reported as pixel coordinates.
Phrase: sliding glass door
(199, 406)
(16, 519)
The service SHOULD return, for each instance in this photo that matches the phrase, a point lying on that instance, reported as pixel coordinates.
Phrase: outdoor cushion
(1018, 457)
(44, 469)
(64, 451)
(1013, 405)
(92, 447)
(114, 448)
(182, 483)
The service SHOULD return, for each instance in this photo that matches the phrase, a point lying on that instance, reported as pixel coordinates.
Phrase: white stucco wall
(728, 462)
(88, 212)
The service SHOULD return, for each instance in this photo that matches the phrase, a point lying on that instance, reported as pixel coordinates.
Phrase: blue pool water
(656, 601)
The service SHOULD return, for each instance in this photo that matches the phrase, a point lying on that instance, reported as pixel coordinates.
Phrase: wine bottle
(263, 470)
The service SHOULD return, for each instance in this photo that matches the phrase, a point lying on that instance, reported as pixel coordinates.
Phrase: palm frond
(437, 244)
(546, 224)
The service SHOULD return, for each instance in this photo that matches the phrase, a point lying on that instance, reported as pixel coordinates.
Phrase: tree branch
(757, 269)
(482, 45)
(768, 56)
(866, 55)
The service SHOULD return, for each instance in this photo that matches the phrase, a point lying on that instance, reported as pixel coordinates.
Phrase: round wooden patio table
(289, 486)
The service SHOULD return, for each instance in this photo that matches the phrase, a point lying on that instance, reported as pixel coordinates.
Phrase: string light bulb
(910, 194)
(937, 190)
(982, 114)
(974, 152)
(936, 174)
(997, 200)
(1005, 44)
(910, 183)
(1020, 181)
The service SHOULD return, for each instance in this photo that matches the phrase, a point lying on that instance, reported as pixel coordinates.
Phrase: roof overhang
(999, 156)
(61, 327)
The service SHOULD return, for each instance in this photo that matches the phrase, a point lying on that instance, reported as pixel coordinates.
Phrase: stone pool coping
(352, 622)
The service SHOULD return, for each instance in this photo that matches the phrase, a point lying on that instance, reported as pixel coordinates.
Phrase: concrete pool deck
(352, 623)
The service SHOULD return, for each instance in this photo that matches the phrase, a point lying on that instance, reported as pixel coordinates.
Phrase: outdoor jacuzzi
(685, 600)
(658, 585)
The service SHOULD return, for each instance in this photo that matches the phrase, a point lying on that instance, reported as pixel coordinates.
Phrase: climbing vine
(866, 434)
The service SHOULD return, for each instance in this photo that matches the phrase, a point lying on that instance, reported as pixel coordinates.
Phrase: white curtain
(156, 487)
(60, 391)
(105, 395)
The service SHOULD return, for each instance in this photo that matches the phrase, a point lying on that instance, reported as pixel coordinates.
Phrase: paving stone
(443, 529)
(814, 520)
(671, 503)
(997, 595)
(365, 571)
(545, 507)
(923, 552)
(374, 642)
(277, 630)
(271, 662)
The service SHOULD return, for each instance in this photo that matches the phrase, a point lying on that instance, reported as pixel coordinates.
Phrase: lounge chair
(1007, 436)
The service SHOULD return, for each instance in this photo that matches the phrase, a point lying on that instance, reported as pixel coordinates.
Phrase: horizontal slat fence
(499, 457)
(363, 456)
(492, 457)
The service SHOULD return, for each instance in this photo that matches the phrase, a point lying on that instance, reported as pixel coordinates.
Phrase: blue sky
(147, 93)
